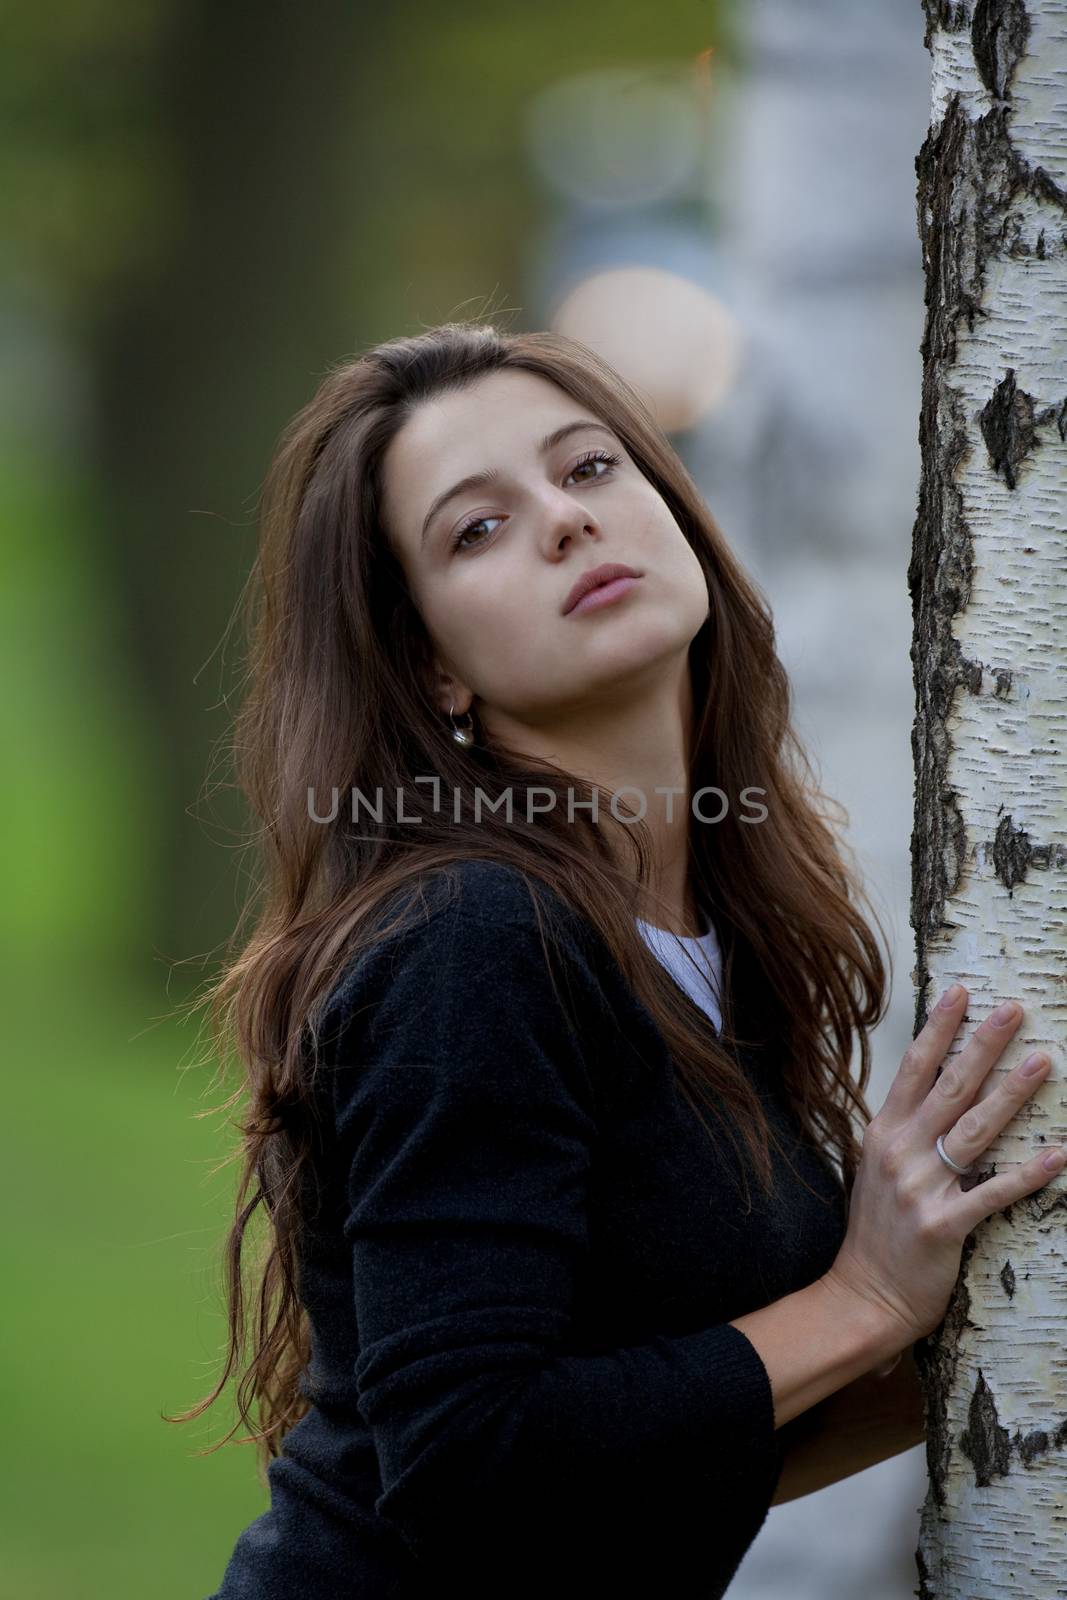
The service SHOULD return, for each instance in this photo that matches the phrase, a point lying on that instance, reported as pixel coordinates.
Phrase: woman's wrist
(887, 1336)
(816, 1340)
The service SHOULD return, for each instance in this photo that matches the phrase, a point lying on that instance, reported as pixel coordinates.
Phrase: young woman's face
(491, 567)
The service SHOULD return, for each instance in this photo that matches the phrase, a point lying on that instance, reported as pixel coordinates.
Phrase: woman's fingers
(977, 1127)
(969, 1209)
(923, 1056)
(960, 1080)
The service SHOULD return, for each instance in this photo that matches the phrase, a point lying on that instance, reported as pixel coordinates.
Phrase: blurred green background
(205, 206)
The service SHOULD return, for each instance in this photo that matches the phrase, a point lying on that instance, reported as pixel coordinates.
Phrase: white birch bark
(988, 581)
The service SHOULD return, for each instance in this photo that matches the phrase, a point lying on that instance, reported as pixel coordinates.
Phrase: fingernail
(1054, 1159)
(950, 996)
(1006, 1012)
(1033, 1064)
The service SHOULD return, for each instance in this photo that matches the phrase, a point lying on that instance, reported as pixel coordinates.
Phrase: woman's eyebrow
(476, 479)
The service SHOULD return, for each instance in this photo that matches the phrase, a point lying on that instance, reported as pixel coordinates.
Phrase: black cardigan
(519, 1280)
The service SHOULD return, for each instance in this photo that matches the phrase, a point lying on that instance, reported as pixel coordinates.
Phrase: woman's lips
(604, 594)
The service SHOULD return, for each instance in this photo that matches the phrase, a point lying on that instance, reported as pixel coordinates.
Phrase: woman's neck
(680, 916)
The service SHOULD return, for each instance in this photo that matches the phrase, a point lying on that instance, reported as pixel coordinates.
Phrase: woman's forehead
(481, 428)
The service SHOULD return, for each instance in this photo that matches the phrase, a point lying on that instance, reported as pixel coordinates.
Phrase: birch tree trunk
(988, 581)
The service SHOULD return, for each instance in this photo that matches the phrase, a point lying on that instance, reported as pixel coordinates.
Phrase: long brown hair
(339, 697)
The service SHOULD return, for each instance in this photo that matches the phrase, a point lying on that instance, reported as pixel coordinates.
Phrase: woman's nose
(568, 517)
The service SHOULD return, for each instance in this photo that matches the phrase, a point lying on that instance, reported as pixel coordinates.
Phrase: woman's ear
(449, 691)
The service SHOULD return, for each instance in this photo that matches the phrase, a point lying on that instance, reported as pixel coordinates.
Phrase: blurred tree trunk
(989, 904)
(205, 355)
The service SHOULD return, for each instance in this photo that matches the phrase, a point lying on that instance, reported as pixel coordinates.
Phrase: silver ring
(947, 1159)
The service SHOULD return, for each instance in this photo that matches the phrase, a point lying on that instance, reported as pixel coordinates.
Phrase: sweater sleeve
(466, 1111)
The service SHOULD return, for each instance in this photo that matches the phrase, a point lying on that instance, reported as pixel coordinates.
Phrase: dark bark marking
(1048, 855)
(1033, 1444)
(969, 174)
(1011, 853)
(1039, 1204)
(969, 673)
(1007, 424)
(1018, 244)
(945, 157)
(935, 1358)
(980, 1175)
(1041, 186)
(1007, 1279)
(941, 544)
(984, 1442)
(944, 16)
(942, 560)
(1038, 1442)
(999, 33)
(1002, 175)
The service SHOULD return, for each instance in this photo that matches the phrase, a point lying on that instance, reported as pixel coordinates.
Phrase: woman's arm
(857, 1426)
(465, 1131)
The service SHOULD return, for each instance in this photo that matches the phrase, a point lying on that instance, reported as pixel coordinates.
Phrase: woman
(526, 1315)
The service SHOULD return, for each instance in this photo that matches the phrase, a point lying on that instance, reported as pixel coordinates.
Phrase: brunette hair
(339, 695)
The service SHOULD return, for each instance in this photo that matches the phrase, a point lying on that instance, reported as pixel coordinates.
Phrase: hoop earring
(464, 736)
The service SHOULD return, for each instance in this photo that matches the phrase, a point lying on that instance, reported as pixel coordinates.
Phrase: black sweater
(519, 1281)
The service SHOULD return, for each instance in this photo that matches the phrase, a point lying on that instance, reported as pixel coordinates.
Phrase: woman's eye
(596, 455)
(475, 522)
(593, 456)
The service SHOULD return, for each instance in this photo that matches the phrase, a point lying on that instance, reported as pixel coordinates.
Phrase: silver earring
(464, 736)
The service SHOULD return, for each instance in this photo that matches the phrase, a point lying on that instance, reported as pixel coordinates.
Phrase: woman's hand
(908, 1216)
